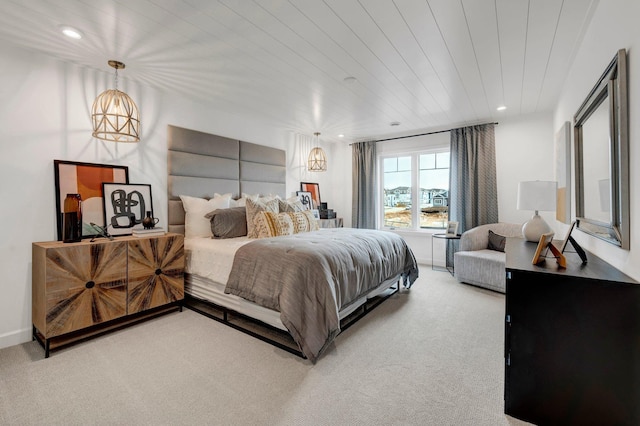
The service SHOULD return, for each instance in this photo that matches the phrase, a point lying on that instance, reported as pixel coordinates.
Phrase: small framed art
(452, 228)
(541, 250)
(125, 206)
(305, 199)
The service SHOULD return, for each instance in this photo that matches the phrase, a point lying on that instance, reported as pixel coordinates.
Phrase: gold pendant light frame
(317, 161)
(115, 115)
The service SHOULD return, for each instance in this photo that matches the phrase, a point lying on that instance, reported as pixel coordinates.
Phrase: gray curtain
(364, 185)
(473, 192)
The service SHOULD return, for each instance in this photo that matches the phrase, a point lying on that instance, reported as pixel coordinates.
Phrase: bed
(326, 277)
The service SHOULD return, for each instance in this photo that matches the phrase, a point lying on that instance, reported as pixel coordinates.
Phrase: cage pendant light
(317, 158)
(114, 114)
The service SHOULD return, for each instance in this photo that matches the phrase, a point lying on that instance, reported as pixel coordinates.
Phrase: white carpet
(430, 356)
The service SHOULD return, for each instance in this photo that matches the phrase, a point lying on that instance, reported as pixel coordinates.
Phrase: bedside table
(452, 241)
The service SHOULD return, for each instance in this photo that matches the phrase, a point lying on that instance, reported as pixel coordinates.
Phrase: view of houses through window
(427, 207)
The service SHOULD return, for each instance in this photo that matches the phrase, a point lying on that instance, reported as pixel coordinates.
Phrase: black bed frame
(273, 335)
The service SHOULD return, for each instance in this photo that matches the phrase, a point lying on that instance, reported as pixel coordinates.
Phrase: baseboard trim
(15, 338)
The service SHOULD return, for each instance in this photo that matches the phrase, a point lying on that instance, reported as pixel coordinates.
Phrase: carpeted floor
(430, 356)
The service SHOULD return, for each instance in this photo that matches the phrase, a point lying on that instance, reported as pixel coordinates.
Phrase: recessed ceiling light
(394, 123)
(501, 108)
(349, 79)
(71, 32)
(341, 135)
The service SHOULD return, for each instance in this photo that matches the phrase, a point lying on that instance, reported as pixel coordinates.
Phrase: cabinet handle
(90, 284)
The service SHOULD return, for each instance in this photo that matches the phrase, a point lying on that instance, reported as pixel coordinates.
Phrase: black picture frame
(305, 199)
(567, 236)
(125, 206)
(72, 177)
(314, 189)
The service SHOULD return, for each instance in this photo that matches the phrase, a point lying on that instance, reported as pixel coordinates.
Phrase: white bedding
(211, 258)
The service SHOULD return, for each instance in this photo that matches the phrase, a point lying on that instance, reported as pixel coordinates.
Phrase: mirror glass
(602, 157)
(596, 159)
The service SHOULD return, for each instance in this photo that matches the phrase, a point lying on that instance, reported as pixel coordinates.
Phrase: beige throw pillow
(269, 224)
(303, 221)
(256, 206)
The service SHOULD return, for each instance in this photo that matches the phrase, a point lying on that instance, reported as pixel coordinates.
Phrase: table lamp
(538, 196)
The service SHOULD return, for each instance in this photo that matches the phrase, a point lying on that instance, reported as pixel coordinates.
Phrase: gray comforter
(310, 277)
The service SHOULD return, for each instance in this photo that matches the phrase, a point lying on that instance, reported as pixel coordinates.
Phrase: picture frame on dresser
(125, 206)
(72, 177)
(541, 250)
(305, 199)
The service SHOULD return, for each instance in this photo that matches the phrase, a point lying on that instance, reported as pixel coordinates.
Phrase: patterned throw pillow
(269, 224)
(303, 221)
(256, 206)
(292, 204)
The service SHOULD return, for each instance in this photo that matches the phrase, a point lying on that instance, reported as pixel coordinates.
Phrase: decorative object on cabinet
(543, 244)
(536, 195)
(314, 189)
(305, 199)
(149, 222)
(86, 179)
(72, 219)
(326, 212)
(143, 232)
(601, 133)
(125, 206)
(317, 161)
(569, 239)
(571, 346)
(562, 150)
(85, 288)
(114, 115)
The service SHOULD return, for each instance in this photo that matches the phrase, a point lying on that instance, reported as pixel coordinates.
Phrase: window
(415, 190)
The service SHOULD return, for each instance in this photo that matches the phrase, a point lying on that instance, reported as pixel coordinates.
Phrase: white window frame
(415, 195)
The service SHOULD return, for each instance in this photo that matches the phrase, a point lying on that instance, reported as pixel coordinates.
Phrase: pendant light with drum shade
(114, 115)
(317, 159)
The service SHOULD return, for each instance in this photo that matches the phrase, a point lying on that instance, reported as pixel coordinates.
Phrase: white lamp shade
(537, 195)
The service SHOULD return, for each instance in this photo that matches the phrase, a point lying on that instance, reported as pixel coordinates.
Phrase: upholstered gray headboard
(201, 164)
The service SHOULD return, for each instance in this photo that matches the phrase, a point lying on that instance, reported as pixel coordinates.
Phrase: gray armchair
(476, 264)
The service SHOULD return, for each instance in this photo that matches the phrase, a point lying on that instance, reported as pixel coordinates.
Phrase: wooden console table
(572, 345)
(85, 288)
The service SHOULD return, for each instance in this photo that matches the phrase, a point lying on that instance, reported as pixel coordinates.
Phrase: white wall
(45, 115)
(614, 26)
(524, 151)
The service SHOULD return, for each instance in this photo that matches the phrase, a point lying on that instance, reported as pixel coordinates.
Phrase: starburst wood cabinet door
(85, 285)
(156, 272)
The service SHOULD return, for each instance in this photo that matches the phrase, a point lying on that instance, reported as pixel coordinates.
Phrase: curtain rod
(424, 134)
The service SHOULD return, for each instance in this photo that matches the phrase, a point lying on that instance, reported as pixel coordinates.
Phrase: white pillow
(196, 225)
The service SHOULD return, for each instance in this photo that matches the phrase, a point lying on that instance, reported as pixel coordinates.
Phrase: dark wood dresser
(572, 340)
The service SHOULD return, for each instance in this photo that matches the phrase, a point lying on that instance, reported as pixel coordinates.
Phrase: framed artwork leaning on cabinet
(86, 179)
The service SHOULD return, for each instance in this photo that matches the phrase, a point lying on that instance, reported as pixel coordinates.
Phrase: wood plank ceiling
(347, 67)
